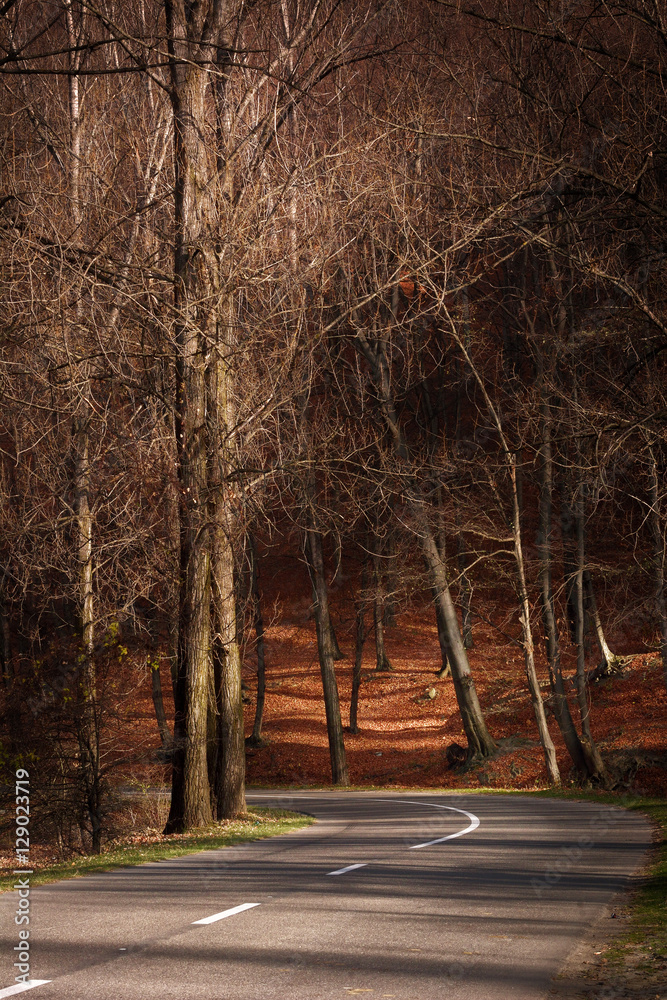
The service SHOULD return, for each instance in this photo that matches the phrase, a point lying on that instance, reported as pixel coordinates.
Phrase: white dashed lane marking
(341, 871)
(225, 913)
(11, 991)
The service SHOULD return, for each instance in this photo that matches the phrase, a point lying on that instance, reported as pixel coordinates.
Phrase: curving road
(402, 895)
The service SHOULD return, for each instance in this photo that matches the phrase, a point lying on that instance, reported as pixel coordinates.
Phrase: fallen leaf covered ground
(403, 735)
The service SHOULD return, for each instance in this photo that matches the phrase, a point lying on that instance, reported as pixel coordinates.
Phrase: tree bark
(382, 661)
(445, 669)
(339, 775)
(230, 772)
(480, 742)
(158, 704)
(658, 559)
(465, 590)
(596, 766)
(527, 632)
(256, 737)
(609, 659)
(560, 703)
(359, 640)
(191, 37)
(88, 729)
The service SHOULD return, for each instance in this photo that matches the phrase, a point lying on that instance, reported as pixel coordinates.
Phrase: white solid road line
(350, 868)
(474, 821)
(11, 991)
(221, 916)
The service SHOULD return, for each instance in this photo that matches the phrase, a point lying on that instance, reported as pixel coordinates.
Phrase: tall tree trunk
(434, 439)
(658, 559)
(515, 520)
(527, 633)
(89, 720)
(230, 773)
(339, 774)
(465, 590)
(173, 514)
(480, 743)
(158, 704)
(568, 534)
(441, 625)
(190, 41)
(445, 669)
(382, 661)
(359, 640)
(552, 640)
(88, 733)
(596, 766)
(256, 598)
(609, 660)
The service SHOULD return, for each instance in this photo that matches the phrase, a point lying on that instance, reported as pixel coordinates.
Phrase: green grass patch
(259, 824)
(645, 939)
(647, 933)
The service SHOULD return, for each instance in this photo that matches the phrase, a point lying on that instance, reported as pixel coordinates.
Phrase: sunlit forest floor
(403, 733)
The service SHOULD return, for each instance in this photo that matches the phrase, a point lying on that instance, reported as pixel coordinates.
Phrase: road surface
(390, 895)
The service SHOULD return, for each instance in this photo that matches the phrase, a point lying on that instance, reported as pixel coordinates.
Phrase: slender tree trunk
(89, 723)
(527, 632)
(256, 737)
(609, 660)
(173, 598)
(568, 534)
(194, 272)
(338, 654)
(465, 590)
(339, 774)
(480, 743)
(382, 661)
(359, 640)
(658, 559)
(389, 573)
(595, 764)
(89, 719)
(432, 422)
(441, 625)
(552, 639)
(230, 773)
(445, 669)
(158, 705)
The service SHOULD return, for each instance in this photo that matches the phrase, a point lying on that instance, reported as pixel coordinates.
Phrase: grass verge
(645, 938)
(258, 824)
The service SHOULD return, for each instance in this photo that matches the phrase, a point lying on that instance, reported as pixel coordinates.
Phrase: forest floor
(403, 733)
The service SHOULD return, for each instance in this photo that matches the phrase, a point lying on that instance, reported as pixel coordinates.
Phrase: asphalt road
(415, 897)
